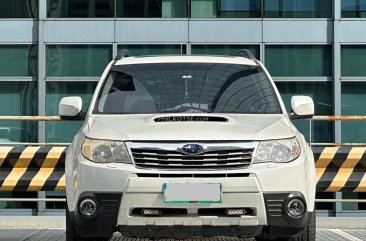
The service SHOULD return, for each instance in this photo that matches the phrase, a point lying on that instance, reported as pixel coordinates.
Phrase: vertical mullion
(280, 8)
(188, 10)
(41, 70)
(337, 86)
(114, 50)
(91, 8)
(42, 14)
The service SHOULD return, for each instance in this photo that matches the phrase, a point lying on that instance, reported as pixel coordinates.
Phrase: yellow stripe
(46, 170)
(19, 169)
(362, 186)
(346, 169)
(324, 159)
(4, 150)
(61, 184)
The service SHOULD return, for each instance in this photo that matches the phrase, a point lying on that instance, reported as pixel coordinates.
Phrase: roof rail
(245, 53)
(121, 54)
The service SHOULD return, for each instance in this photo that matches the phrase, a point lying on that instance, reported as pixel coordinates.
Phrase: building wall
(50, 49)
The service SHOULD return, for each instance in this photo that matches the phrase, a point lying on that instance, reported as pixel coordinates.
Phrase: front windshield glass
(187, 87)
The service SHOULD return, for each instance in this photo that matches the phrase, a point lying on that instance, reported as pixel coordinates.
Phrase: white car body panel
(142, 127)
(83, 175)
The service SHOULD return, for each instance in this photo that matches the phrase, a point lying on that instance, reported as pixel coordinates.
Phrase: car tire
(264, 236)
(73, 235)
(308, 234)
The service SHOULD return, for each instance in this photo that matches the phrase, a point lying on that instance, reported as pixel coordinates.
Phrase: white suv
(180, 146)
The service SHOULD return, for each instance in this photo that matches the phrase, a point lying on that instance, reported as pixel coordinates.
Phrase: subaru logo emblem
(192, 149)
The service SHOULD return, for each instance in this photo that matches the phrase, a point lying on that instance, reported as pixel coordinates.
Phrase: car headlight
(103, 151)
(285, 150)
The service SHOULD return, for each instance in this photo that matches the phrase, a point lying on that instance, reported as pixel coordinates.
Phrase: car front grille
(168, 156)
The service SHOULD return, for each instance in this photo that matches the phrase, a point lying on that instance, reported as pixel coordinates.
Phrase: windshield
(187, 87)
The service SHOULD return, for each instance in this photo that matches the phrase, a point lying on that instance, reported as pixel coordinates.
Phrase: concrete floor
(59, 235)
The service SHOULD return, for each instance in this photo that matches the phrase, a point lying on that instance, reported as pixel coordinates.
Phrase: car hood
(143, 127)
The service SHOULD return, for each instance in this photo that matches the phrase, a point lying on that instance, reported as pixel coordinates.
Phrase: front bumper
(136, 188)
(116, 212)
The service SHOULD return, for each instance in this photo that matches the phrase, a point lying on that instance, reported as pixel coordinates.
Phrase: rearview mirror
(70, 108)
(302, 107)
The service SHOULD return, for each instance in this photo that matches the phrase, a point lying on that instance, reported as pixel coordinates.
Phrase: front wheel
(308, 234)
(73, 235)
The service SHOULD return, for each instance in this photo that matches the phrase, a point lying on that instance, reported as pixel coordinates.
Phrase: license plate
(192, 192)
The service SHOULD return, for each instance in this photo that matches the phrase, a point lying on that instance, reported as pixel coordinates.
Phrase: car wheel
(309, 233)
(73, 235)
(264, 236)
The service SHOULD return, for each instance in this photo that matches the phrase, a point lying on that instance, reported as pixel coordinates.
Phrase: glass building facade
(55, 48)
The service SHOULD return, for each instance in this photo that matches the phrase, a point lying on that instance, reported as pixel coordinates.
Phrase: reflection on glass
(299, 60)
(187, 87)
(77, 60)
(225, 8)
(354, 206)
(18, 205)
(322, 205)
(298, 8)
(353, 60)
(64, 131)
(18, 98)
(80, 8)
(223, 49)
(321, 92)
(18, 8)
(353, 99)
(151, 8)
(56, 205)
(156, 49)
(353, 8)
(18, 60)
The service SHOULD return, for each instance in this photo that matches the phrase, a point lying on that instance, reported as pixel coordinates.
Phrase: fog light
(235, 212)
(295, 208)
(88, 207)
(151, 212)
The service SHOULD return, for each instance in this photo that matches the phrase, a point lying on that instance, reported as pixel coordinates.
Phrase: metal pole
(340, 200)
(64, 200)
(34, 144)
(32, 199)
(32, 118)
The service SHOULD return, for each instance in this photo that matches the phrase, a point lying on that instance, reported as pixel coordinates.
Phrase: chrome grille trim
(168, 156)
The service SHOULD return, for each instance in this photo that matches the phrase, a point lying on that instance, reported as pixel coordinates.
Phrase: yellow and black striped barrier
(32, 168)
(42, 168)
(340, 169)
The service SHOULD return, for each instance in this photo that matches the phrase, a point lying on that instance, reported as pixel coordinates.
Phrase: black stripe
(355, 179)
(56, 175)
(13, 156)
(9, 162)
(332, 169)
(317, 151)
(33, 168)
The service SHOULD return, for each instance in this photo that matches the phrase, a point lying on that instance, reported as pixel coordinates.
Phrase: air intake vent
(190, 119)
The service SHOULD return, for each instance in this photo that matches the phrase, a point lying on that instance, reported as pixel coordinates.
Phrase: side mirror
(302, 107)
(70, 108)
